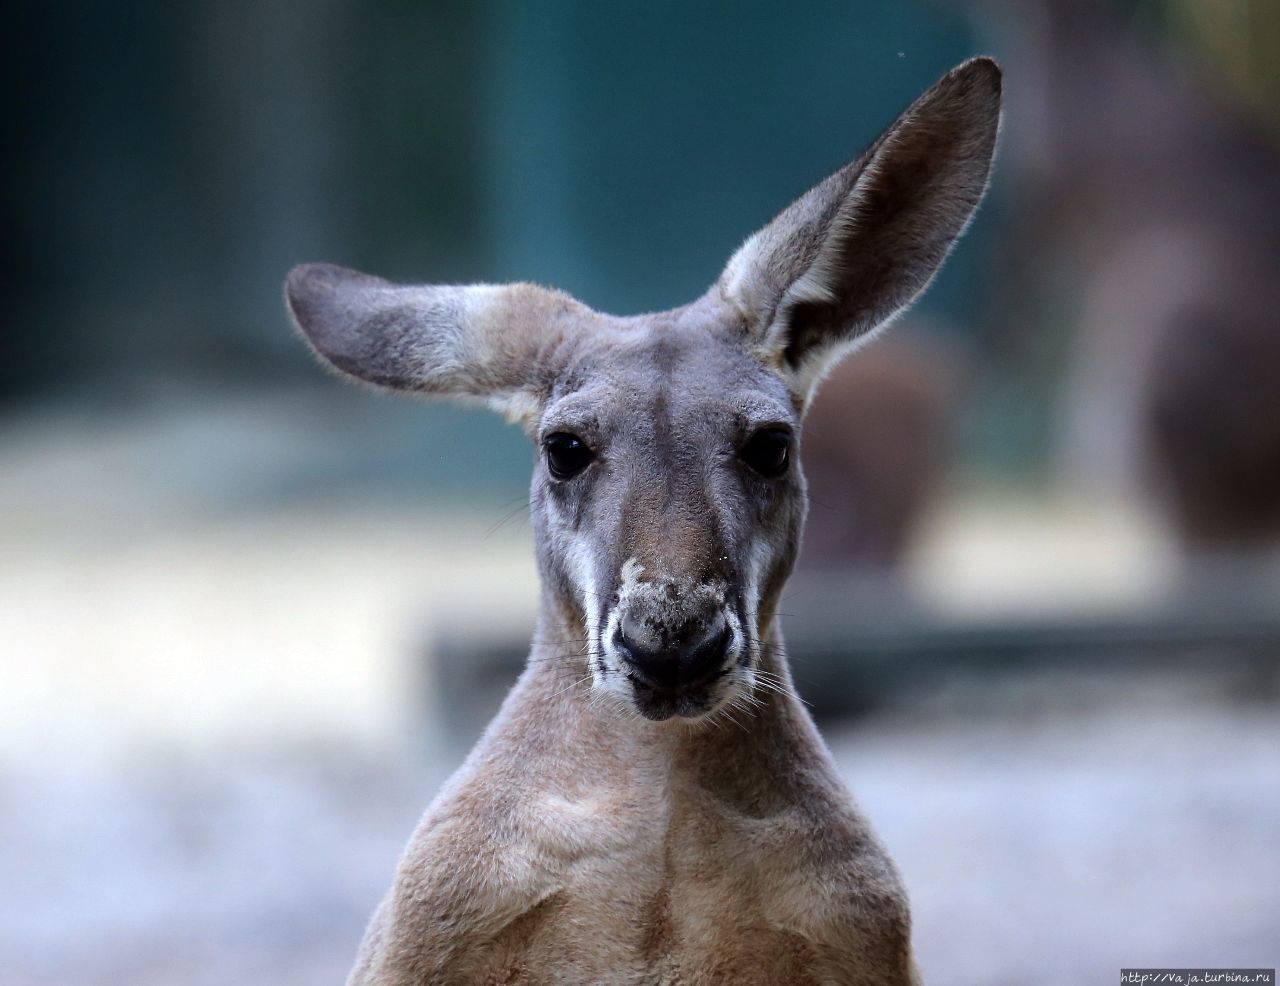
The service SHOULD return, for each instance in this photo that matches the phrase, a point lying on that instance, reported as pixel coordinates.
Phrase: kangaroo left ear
(857, 249)
(500, 344)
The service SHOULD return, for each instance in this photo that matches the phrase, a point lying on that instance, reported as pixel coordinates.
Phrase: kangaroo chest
(649, 894)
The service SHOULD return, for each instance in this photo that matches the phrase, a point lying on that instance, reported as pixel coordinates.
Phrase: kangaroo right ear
(861, 246)
(498, 343)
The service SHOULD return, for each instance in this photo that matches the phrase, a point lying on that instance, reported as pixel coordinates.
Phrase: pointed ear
(857, 249)
(497, 343)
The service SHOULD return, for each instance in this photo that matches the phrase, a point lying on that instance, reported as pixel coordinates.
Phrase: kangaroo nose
(693, 656)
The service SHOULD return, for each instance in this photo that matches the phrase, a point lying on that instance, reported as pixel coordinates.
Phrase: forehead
(679, 371)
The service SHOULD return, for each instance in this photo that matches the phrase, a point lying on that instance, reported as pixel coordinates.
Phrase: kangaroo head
(667, 496)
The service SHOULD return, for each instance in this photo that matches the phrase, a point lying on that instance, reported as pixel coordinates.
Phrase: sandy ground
(1060, 847)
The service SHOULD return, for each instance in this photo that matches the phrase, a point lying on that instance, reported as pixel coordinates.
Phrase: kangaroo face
(668, 501)
(667, 495)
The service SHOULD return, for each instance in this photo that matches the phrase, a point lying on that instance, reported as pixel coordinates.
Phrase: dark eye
(768, 451)
(567, 455)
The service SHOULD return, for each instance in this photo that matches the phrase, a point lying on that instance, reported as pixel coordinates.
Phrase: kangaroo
(653, 803)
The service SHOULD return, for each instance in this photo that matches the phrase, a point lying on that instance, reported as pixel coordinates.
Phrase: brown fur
(604, 830)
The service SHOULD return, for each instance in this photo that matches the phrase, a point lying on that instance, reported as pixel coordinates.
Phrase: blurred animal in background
(1214, 424)
(875, 445)
(1162, 195)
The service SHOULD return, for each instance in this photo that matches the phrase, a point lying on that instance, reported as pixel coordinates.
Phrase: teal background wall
(170, 162)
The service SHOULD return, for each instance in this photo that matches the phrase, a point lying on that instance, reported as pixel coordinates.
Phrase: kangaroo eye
(768, 451)
(567, 455)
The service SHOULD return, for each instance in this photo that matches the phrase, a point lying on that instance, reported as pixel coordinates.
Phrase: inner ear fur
(858, 248)
(496, 343)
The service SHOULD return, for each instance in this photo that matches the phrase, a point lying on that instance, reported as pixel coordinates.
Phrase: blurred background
(250, 617)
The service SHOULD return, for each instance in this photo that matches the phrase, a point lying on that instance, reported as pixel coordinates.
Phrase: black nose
(690, 659)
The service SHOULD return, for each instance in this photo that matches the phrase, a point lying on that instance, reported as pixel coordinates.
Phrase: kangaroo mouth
(689, 702)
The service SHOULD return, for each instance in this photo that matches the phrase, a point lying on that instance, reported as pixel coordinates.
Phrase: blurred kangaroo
(1150, 223)
(875, 445)
(653, 804)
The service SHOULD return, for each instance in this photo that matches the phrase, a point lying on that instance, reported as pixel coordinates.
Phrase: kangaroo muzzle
(673, 640)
